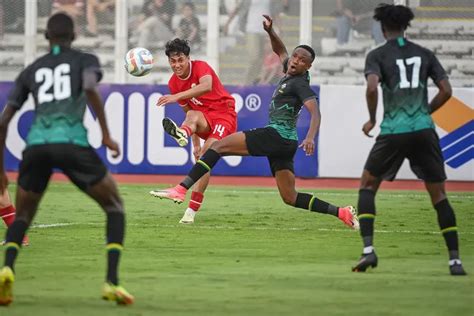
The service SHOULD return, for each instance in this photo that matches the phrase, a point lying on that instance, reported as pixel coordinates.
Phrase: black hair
(177, 46)
(60, 27)
(309, 49)
(189, 4)
(393, 17)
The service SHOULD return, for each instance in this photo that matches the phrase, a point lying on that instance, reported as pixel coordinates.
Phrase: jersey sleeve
(436, 71)
(372, 65)
(20, 91)
(202, 69)
(90, 63)
(304, 92)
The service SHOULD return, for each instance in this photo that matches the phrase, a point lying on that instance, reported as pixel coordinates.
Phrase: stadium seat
(330, 66)
(467, 30)
(467, 68)
(466, 83)
(456, 48)
(354, 80)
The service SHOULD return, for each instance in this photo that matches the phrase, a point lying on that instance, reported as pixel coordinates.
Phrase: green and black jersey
(55, 80)
(287, 101)
(404, 68)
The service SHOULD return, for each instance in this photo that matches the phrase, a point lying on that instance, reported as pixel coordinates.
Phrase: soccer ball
(138, 61)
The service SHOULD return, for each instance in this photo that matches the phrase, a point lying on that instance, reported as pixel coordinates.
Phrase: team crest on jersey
(283, 86)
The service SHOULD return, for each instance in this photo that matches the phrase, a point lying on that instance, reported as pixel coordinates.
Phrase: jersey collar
(190, 72)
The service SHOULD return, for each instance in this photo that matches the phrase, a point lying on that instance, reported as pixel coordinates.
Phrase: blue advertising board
(135, 123)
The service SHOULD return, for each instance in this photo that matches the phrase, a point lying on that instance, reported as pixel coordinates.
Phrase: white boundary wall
(343, 148)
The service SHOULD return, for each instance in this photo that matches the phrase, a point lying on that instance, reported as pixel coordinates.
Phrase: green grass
(247, 254)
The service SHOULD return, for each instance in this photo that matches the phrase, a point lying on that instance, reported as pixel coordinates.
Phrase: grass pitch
(247, 254)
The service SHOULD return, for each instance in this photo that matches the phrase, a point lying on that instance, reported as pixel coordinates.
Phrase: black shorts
(267, 142)
(421, 148)
(81, 164)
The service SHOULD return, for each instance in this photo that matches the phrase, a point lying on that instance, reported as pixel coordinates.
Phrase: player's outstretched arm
(308, 143)
(204, 86)
(444, 93)
(5, 119)
(277, 44)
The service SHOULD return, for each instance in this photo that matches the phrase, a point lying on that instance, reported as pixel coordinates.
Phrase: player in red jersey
(7, 213)
(210, 111)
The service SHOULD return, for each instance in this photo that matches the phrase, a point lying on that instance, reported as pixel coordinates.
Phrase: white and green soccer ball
(138, 61)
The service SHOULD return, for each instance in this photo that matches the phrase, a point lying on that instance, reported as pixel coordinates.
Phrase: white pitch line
(220, 227)
(52, 225)
(399, 195)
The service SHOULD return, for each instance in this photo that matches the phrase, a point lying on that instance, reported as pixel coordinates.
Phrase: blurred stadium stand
(446, 27)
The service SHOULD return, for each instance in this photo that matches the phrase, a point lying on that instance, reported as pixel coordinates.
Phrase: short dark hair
(177, 46)
(60, 27)
(393, 17)
(189, 4)
(309, 49)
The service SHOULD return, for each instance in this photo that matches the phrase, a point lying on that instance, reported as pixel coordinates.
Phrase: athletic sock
(8, 214)
(202, 166)
(366, 209)
(115, 235)
(196, 200)
(312, 203)
(15, 234)
(187, 129)
(447, 224)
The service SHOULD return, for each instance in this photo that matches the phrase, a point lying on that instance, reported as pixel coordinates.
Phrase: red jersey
(216, 100)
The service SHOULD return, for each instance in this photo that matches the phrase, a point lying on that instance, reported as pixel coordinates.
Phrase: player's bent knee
(216, 146)
(26, 217)
(114, 205)
(369, 182)
(288, 199)
(193, 116)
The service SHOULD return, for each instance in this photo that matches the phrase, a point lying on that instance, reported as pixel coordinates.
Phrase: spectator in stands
(12, 19)
(233, 25)
(255, 35)
(357, 15)
(95, 7)
(189, 27)
(272, 69)
(74, 8)
(156, 25)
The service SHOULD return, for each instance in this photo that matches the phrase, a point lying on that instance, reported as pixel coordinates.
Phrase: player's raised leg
(27, 202)
(285, 179)
(447, 225)
(180, 135)
(105, 193)
(233, 144)
(195, 122)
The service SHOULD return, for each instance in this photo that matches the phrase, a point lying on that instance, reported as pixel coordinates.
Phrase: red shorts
(220, 125)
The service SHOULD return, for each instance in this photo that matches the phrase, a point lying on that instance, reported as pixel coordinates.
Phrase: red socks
(196, 200)
(187, 129)
(8, 214)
